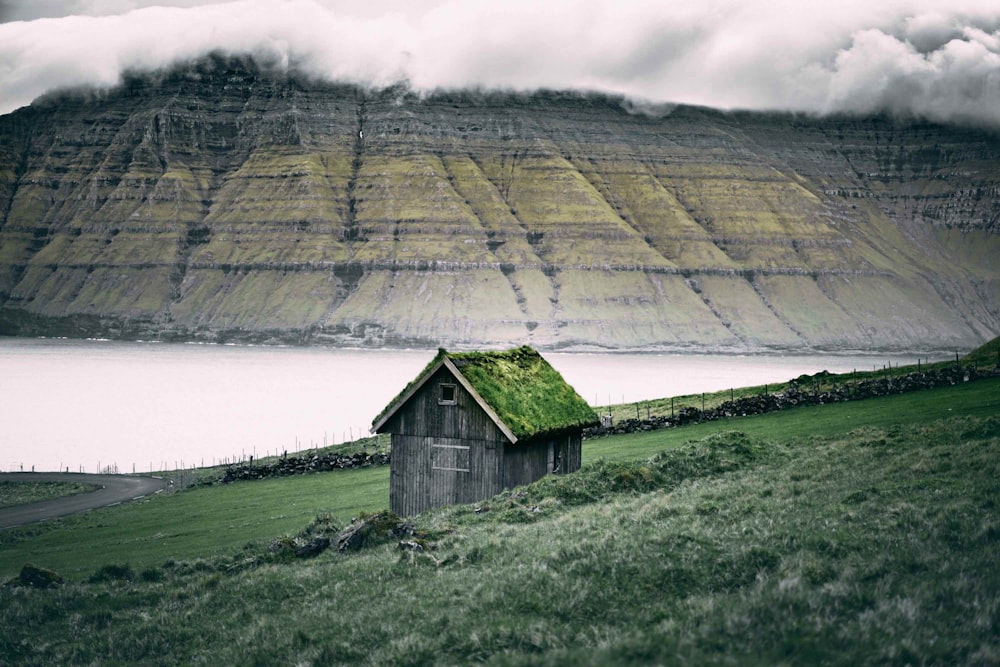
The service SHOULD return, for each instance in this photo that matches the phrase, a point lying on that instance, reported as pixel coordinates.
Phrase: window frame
(454, 456)
(441, 393)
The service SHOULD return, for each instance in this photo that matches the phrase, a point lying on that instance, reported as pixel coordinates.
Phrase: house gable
(445, 448)
(523, 395)
(472, 424)
(442, 406)
(440, 372)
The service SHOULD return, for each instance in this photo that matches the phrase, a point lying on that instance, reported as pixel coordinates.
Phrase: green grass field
(198, 522)
(853, 533)
(981, 399)
(984, 358)
(19, 493)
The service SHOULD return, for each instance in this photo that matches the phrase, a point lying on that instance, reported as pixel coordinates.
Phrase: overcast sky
(933, 58)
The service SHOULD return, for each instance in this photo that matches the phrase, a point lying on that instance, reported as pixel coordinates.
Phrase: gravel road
(114, 489)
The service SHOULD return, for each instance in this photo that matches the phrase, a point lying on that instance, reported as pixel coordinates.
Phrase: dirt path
(114, 489)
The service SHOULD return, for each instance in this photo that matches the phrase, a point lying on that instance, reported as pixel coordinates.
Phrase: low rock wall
(796, 394)
(800, 394)
(297, 465)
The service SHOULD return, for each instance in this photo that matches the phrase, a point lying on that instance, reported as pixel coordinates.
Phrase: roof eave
(480, 400)
(428, 374)
(561, 430)
(404, 397)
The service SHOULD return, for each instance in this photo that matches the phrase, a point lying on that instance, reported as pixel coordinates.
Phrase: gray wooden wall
(447, 454)
(442, 454)
(528, 461)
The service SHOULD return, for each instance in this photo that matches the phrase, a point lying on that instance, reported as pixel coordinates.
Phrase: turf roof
(524, 391)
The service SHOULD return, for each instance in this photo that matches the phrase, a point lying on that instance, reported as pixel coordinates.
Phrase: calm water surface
(88, 405)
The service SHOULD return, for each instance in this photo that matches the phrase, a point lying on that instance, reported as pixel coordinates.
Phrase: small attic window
(447, 396)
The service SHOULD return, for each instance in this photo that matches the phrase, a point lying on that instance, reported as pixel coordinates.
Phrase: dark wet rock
(300, 465)
(38, 577)
(371, 529)
(313, 547)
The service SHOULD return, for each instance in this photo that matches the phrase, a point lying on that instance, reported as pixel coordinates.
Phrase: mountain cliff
(221, 201)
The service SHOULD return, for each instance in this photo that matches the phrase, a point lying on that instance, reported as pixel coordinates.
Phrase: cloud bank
(925, 58)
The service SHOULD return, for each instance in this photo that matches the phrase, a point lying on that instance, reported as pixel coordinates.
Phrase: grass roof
(525, 392)
(528, 395)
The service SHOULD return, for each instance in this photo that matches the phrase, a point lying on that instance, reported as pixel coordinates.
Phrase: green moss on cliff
(554, 219)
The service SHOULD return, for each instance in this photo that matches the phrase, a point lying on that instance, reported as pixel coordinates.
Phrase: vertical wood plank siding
(574, 452)
(422, 415)
(414, 485)
(493, 463)
(531, 460)
(525, 462)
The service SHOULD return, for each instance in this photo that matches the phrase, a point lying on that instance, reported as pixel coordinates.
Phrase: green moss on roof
(528, 395)
(525, 392)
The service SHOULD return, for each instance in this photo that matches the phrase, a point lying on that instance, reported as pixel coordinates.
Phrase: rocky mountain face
(221, 202)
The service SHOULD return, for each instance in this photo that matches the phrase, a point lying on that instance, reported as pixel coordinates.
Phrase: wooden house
(475, 423)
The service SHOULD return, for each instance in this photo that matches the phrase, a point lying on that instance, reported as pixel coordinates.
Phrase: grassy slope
(986, 354)
(984, 357)
(819, 544)
(980, 399)
(19, 493)
(198, 522)
(213, 520)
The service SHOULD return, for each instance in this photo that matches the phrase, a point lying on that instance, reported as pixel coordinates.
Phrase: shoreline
(937, 353)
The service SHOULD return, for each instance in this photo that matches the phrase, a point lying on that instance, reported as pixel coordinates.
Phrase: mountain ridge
(222, 201)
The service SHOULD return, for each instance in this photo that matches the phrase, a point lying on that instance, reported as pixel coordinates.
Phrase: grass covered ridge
(989, 353)
(877, 546)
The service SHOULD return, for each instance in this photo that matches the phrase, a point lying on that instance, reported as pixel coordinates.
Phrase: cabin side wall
(445, 449)
(574, 452)
(525, 462)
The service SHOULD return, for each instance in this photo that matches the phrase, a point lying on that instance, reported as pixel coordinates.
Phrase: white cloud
(931, 58)
(958, 81)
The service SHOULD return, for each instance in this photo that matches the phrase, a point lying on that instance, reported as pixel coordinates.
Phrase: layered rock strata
(221, 202)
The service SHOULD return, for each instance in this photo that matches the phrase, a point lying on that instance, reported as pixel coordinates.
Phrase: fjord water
(91, 405)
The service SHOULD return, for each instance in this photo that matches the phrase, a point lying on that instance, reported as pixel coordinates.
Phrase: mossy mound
(38, 577)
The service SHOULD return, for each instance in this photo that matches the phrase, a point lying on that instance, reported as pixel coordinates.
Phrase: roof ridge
(519, 386)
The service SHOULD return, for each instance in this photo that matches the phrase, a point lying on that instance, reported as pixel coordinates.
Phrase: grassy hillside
(195, 523)
(986, 354)
(984, 358)
(851, 533)
(216, 520)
